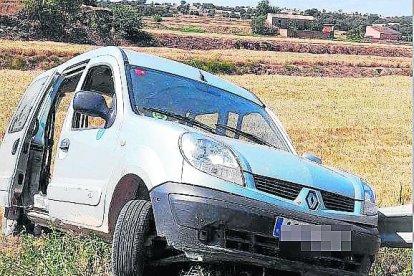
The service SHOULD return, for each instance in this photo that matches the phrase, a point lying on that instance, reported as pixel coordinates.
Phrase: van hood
(286, 166)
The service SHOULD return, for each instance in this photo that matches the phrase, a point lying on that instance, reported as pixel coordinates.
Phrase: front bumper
(215, 226)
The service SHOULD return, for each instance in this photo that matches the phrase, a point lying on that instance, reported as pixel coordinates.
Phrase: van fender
(137, 176)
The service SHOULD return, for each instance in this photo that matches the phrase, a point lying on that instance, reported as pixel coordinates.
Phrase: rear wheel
(128, 245)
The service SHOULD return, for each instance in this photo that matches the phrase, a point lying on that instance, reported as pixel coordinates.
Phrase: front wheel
(128, 245)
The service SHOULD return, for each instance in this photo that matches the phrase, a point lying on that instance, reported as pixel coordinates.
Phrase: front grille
(277, 187)
(249, 242)
(291, 191)
(245, 241)
(337, 202)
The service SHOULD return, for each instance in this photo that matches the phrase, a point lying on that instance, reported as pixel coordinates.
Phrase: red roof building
(9, 7)
(382, 33)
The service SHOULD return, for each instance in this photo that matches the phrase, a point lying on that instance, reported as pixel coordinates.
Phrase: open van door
(14, 149)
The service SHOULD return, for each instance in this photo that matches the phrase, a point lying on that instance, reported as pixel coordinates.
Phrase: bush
(157, 18)
(127, 22)
(356, 34)
(190, 29)
(99, 25)
(54, 19)
(213, 66)
(260, 26)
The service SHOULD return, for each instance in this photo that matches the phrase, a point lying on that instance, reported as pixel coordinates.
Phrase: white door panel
(84, 166)
(14, 148)
(78, 193)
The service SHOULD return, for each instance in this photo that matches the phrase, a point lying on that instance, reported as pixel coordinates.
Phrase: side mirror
(91, 104)
(312, 158)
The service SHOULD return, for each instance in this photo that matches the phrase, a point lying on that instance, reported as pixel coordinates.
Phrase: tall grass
(57, 254)
(361, 125)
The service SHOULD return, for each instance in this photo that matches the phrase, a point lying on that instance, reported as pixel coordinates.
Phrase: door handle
(64, 145)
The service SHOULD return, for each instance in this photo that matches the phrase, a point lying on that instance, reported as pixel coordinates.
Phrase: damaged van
(178, 167)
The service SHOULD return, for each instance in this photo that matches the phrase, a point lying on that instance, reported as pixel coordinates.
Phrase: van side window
(59, 106)
(99, 79)
(26, 105)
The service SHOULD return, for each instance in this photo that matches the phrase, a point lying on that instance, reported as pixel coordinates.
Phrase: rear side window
(26, 105)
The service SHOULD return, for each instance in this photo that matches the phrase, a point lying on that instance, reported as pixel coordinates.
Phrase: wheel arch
(129, 187)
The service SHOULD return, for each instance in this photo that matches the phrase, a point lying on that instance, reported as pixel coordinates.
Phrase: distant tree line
(80, 21)
(105, 22)
(353, 24)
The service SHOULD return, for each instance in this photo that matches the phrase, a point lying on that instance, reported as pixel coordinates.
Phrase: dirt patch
(43, 62)
(189, 42)
(307, 70)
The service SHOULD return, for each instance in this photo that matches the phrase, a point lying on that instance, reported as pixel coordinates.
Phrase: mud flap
(395, 225)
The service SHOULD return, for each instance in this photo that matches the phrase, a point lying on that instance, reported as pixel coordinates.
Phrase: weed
(213, 66)
(191, 29)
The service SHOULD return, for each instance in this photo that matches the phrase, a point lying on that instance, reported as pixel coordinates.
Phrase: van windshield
(197, 104)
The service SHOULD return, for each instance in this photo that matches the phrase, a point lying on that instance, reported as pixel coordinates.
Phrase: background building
(284, 21)
(9, 7)
(382, 33)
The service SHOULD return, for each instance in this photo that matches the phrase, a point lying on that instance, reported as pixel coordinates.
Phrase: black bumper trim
(196, 220)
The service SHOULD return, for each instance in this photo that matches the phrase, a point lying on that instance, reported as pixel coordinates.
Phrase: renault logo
(312, 200)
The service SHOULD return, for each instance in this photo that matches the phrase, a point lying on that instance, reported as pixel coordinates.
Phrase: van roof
(165, 65)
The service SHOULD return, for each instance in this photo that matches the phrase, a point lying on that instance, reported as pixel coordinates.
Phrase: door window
(100, 80)
(26, 105)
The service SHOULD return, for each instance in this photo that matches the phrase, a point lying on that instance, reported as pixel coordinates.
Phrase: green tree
(357, 34)
(56, 19)
(313, 12)
(263, 8)
(260, 26)
(127, 22)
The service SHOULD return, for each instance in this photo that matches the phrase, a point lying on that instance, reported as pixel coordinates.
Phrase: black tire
(366, 265)
(128, 244)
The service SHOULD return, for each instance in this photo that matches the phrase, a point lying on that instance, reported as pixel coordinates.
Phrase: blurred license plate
(314, 238)
(281, 221)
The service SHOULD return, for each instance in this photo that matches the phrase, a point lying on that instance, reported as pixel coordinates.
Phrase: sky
(382, 7)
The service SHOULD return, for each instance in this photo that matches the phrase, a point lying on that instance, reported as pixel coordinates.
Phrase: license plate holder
(281, 221)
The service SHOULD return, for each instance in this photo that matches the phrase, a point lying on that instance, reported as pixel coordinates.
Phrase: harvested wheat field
(44, 55)
(361, 125)
(202, 24)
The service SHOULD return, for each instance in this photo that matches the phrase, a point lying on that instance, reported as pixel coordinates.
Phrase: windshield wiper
(249, 136)
(193, 122)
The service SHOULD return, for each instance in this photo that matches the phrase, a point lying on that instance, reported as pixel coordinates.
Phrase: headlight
(370, 207)
(212, 157)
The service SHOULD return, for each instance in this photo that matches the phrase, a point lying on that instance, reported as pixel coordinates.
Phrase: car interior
(47, 126)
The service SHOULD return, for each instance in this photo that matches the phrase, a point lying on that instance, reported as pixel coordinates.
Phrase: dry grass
(275, 39)
(31, 48)
(360, 125)
(23, 50)
(207, 24)
(282, 58)
(12, 85)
